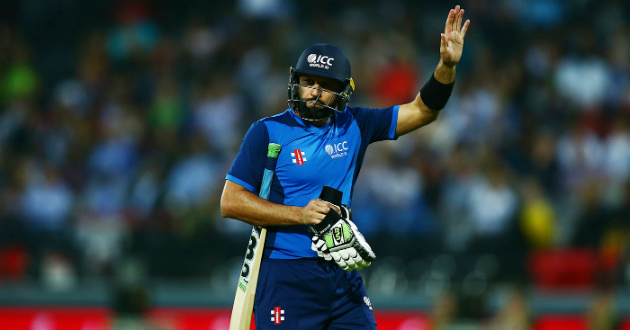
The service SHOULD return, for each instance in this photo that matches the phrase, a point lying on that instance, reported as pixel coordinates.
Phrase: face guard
(326, 61)
(320, 111)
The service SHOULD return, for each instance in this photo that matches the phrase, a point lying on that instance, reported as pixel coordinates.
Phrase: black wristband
(435, 94)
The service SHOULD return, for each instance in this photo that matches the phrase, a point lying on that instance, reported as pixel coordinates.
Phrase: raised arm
(425, 108)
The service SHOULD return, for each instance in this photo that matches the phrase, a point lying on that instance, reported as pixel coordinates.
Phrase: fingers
(349, 259)
(314, 212)
(334, 207)
(321, 245)
(324, 207)
(459, 16)
(454, 15)
(449, 21)
(454, 21)
(465, 28)
(318, 245)
(339, 260)
(320, 205)
(351, 263)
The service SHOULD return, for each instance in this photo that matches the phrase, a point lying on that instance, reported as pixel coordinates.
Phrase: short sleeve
(248, 166)
(376, 124)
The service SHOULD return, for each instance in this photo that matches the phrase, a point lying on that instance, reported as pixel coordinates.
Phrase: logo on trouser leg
(367, 302)
(277, 315)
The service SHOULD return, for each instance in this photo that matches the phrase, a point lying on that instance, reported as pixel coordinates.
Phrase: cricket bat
(246, 290)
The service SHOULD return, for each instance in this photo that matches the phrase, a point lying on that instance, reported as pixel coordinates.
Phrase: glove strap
(331, 195)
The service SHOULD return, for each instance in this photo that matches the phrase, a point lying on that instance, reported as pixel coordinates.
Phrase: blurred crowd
(120, 119)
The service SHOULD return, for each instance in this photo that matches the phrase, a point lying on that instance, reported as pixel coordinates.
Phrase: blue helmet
(326, 61)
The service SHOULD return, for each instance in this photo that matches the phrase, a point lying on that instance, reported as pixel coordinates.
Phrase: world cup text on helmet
(325, 61)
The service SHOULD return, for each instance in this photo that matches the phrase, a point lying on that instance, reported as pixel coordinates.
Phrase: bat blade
(246, 290)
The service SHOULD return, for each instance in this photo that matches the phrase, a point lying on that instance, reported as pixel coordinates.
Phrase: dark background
(120, 119)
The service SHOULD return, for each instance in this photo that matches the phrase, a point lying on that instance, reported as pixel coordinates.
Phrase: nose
(314, 91)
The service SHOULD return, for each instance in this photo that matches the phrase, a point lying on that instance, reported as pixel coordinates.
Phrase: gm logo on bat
(320, 61)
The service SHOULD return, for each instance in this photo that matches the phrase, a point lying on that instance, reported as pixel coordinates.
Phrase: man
(323, 143)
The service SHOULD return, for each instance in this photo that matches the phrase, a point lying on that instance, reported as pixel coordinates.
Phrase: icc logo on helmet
(319, 60)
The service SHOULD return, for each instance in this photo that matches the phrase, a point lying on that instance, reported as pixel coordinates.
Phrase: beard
(313, 113)
(320, 112)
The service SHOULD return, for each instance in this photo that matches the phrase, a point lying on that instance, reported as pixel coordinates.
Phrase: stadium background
(119, 120)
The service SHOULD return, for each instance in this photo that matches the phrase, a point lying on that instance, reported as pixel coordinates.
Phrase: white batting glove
(318, 245)
(341, 239)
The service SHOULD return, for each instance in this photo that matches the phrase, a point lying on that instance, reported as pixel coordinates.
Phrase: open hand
(452, 43)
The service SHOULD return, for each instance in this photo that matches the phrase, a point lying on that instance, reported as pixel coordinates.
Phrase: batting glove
(338, 238)
(318, 245)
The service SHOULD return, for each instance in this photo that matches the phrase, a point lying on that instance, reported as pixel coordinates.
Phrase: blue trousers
(310, 294)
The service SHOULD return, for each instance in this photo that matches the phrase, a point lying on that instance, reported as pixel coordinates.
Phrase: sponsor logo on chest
(299, 157)
(334, 150)
(337, 150)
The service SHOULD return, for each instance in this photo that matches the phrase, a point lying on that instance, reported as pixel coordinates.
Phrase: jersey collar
(310, 127)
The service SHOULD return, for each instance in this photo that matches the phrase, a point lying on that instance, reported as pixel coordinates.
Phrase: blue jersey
(311, 157)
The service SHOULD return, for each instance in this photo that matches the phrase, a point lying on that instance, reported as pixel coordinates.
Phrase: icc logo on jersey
(319, 61)
(337, 150)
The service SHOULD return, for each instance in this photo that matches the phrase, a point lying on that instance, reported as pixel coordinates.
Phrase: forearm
(428, 103)
(243, 205)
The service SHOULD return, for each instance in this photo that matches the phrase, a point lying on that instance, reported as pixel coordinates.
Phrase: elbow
(428, 116)
(433, 116)
(227, 211)
(227, 208)
(235, 201)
